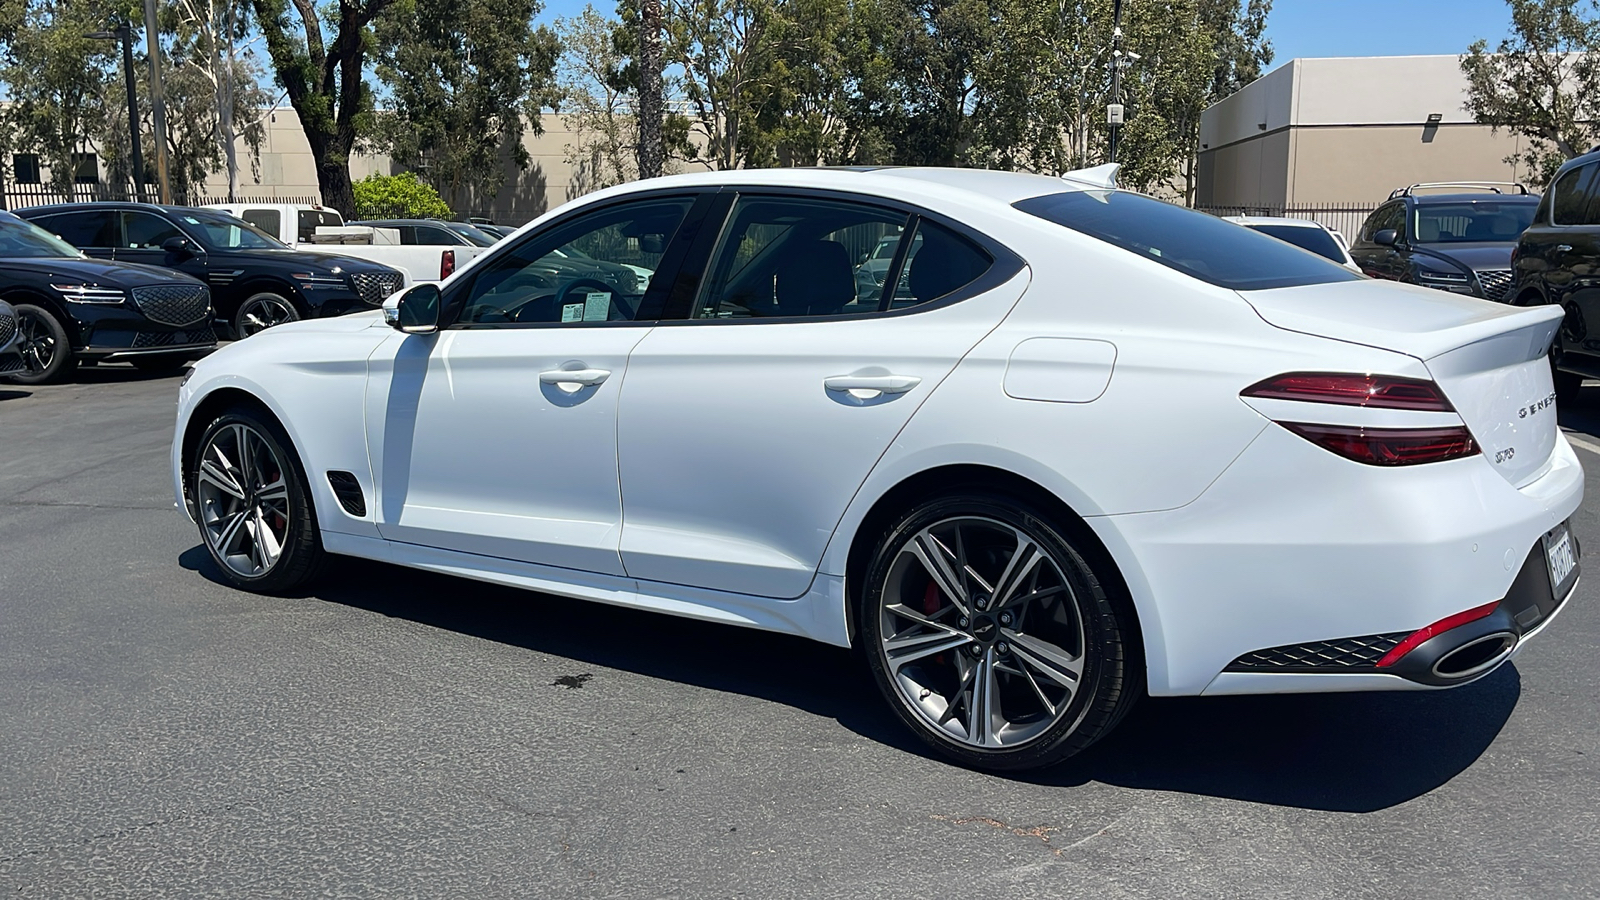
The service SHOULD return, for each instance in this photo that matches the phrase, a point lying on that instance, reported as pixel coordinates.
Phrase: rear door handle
(577, 378)
(878, 384)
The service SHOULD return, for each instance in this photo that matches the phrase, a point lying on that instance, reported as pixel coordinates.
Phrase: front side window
(1195, 243)
(91, 228)
(143, 231)
(786, 256)
(220, 231)
(596, 268)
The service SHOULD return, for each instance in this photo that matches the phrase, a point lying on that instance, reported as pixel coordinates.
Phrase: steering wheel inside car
(617, 309)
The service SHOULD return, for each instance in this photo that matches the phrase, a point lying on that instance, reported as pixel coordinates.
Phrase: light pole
(125, 33)
(1114, 111)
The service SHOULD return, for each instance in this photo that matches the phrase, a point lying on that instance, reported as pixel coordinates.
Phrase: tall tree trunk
(333, 176)
(651, 153)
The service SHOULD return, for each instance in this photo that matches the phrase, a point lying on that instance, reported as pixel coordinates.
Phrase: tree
(599, 109)
(1543, 82)
(652, 153)
(398, 197)
(56, 78)
(216, 91)
(466, 80)
(323, 80)
(722, 48)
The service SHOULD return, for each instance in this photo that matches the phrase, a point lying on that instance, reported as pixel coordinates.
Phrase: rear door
(746, 426)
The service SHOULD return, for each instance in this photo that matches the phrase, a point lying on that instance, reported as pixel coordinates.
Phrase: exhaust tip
(1475, 656)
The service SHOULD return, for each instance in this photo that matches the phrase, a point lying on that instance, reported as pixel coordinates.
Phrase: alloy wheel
(262, 312)
(243, 495)
(981, 633)
(36, 343)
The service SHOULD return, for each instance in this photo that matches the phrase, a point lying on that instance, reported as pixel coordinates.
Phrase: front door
(143, 234)
(746, 428)
(497, 435)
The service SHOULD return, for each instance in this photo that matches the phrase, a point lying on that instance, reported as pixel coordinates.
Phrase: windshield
(471, 233)
(1316, 240)
(1194, 243)
(1471, 221)
(220, 231)
(25, 240)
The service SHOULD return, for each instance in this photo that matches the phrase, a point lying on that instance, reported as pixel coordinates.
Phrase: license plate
(1563, 562)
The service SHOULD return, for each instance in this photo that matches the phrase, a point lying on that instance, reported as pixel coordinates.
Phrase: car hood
(1496, 255)
(95, 271)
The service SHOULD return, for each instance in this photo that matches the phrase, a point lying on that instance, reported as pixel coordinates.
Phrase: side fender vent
(348, 490)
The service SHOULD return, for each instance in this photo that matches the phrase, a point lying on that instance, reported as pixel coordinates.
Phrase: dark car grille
(1344, 653)
(173, 304)
(375, 287)
(1496, 282)
(147, 339)
(8, 329)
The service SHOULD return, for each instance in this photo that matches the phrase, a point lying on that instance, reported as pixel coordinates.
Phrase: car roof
(106, 204)
(983, 186)
(1432, 199)
(1276, 220)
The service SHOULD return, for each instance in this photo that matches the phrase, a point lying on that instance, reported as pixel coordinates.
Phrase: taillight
(1389, 446)
(1350, 389)
(1440, 627)
(447, 264)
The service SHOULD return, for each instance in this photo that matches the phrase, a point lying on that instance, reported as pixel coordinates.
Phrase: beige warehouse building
(1329, 132)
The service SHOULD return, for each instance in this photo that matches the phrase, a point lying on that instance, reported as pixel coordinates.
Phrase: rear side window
(96, 228)
(1194, 243)
(1570, 196)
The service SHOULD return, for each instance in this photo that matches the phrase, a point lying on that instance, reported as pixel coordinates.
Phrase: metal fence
(1345, 218)
(19, 196)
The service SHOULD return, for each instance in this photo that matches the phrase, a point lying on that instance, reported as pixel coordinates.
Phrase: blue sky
(1323, 27)
(1304, 28)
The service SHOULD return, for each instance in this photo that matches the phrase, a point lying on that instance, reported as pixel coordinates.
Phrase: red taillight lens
(1350, 389)
(1389, 446)
(1440, 627)
(447, 264)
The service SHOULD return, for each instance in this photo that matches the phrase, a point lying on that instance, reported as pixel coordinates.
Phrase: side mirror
(414, 311)
(178, 245)
(1387, 237)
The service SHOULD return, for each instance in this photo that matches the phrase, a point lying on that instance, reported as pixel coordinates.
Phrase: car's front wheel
(254, 509)
(42, 340)
(992, 635)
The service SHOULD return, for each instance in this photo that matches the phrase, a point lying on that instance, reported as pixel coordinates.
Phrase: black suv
(1558, 261)
(70, 308)
(1457, 242)
(257, 282)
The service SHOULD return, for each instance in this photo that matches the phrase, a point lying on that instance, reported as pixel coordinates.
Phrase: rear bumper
(1295, 546)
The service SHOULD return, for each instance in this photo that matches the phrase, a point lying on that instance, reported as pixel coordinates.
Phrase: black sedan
(68, 308)
(258, 282)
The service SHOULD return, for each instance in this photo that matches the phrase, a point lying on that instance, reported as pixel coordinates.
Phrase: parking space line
(1572, 438)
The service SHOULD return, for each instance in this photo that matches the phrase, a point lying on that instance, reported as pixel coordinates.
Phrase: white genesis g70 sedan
(1070, 445)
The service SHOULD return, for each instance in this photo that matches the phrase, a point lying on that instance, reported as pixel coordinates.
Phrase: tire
(261, 311)
(249, 502)
(159, 365)
(1058, 616)
(46, 349)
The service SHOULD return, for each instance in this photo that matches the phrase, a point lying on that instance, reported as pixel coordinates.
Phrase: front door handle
(571, 380)
(871, 385)
(1563, 248)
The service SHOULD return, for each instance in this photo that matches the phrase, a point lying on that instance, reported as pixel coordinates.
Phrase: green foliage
(1542, 83)
(457, 114)
(401, 196)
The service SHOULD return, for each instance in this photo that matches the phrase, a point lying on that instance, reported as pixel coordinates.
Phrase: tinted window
(596, 268)
(1390, 216)
(143, 231)
(268, 220)
(472, 234)
(1472, 220)
(1316, 240)
(1569, 197)
(783, 256)
(434, 235)
(939, 263)
(96, 228)
(1194, 243)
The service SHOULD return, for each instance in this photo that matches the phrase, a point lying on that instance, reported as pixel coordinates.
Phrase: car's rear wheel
(991, 634)
(254, 509)
(42, 340)
(262, 311)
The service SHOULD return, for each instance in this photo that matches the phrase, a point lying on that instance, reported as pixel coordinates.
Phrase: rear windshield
(1194, 243)
(1316, 240)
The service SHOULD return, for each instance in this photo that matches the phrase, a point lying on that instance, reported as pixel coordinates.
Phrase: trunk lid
(1490, 359)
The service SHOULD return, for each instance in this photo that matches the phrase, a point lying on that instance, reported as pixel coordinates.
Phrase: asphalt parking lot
(407, 734)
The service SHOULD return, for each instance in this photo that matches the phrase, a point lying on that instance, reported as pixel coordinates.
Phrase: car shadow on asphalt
(1357, 752)
(13, 395)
